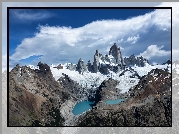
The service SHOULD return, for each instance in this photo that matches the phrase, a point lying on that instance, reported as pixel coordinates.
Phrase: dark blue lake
(81, 107)
(114, 101)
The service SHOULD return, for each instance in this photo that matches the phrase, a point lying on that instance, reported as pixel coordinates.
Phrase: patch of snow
(147, 68)
(34, 67)
(86, 80)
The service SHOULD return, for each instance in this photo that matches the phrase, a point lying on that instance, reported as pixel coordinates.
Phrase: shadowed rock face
(105, 91)
(90, 66)
(72, 87)
(148, 104)
(96, 64)
(81, 67)
(33, 96)
(132, 60)
(116, 53)
(107, 60)
(167, 62)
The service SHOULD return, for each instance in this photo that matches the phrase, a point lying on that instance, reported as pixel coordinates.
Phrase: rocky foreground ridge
(36, 98)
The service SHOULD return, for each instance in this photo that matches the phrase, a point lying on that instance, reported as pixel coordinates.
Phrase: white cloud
(53, 41)
(155, 51)
(133, 39)
(29, 15)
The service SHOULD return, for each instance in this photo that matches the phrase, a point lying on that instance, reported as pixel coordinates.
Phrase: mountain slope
(33, 96)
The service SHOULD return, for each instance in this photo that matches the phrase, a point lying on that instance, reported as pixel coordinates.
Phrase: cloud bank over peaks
(59, 43)
(156, 52)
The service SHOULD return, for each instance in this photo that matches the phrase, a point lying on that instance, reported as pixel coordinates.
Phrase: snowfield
(89, 79)
(147, 68)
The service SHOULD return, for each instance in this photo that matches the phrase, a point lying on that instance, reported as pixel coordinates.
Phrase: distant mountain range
(105, 63)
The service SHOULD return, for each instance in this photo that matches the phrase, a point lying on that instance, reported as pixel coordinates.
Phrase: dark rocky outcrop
(90, 66)
(138, 61)
(116, 53)
(71, 67)
(103, 63)
(72, 87)
(81, 67)
(104, 69)
(96, 64)
(167, 62)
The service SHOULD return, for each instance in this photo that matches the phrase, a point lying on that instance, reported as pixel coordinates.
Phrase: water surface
(81, 107)
(114, 101)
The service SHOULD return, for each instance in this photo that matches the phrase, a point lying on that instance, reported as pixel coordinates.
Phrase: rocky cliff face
(108, 90)
(132, 60)
(76, 91)
(96, 64)
(81, 67)
(90, 66)
(113, 61)
(34, 97)
(148, 104)
(116, 53)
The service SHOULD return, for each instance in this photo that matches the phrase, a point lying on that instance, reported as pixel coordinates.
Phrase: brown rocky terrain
(34, 97)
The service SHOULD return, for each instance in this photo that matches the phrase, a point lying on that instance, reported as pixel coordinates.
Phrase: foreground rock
(35, 97)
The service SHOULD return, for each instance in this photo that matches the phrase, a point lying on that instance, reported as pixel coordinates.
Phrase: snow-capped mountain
(105, 67)
(127, 71)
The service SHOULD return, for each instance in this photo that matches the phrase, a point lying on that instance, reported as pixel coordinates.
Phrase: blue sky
(64, 35)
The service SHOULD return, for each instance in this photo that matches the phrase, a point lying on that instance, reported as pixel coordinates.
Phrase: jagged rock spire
(116, 53)
(81, 67)
(96, 62)
(132, 60)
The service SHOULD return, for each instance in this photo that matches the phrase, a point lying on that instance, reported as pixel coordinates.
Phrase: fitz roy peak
(116, 53)
(112, 62)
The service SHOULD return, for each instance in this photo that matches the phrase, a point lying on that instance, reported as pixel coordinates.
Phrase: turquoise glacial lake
(114, 101)
(81, 107)
(84, 106)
